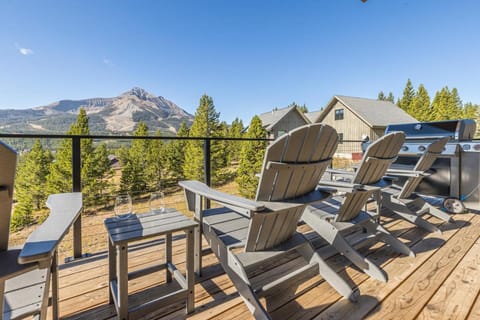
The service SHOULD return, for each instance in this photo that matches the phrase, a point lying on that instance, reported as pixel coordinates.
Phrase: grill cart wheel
(453, 205)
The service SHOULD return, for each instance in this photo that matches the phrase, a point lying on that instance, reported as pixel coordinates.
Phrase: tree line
(445, 105)
(147, 164)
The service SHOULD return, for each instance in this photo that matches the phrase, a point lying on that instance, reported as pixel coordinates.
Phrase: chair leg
(248, 296)
(402, 210)
(438, 213)
(386, 237)
(333, 236)
(337, 282)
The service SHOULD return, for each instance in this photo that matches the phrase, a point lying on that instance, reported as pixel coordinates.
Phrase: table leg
(122, 280)
(168, 256)
(112, 268)
(54, 276)
(190, 271)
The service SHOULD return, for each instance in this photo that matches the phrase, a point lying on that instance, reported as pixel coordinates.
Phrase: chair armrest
(351, 187)
(241, 205)
(405, 173)
(339, 171)
(42, 243)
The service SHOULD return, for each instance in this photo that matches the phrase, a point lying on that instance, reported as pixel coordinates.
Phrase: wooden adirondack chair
(26, 273)
(403, 200)
(339, 214)
(247, 236)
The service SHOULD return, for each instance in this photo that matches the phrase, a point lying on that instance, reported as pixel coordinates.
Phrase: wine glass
(123, 206)
(157, 202)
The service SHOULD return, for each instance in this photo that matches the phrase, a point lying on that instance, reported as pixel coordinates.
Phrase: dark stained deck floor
(441, 282)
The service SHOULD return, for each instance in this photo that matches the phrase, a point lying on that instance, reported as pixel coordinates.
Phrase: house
(356, 118)
(280, 121)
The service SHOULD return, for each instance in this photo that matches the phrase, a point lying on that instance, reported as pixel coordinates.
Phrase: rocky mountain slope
(118, 115)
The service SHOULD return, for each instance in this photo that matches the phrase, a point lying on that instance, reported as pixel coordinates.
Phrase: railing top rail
(119, 137)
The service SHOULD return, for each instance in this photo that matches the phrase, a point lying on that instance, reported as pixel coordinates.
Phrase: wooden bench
(26, 273)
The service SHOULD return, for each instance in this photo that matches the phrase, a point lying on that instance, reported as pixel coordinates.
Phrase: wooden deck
(441, 282)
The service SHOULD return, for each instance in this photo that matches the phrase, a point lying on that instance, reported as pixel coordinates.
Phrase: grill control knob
(476, 147)
(421, 148)
(466, 147)
(404, 148)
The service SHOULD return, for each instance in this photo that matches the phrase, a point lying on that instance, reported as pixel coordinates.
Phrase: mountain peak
(139, 93)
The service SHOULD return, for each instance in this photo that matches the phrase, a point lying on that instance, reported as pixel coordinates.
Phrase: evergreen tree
(447, 105)
(420, 107)
(407, 98)
(470, 111)
(234, 147)
(93, 169)
(390, 97)
(381, 96)
(155, 159)
(30, 182)
(175, 154)
(303, 108)
(135, 163)
(205, 124)
(251, 159)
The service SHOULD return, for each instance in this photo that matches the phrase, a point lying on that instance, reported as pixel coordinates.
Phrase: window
(340, 138)
(339, 114)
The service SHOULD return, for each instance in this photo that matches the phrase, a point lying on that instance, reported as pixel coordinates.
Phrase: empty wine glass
(123, 206)
(157, 202)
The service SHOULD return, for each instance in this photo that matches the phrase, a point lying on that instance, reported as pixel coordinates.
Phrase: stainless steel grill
(457, 170)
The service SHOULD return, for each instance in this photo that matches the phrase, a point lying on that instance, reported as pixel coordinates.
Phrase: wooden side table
(140, 227)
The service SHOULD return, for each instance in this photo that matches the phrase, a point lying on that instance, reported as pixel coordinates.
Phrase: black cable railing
(76, 162)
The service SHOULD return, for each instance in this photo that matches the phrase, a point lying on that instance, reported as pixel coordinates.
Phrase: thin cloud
(24, 51)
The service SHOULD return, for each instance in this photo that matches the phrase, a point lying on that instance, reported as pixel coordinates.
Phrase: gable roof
(376, 113)
(313, 116)
(271, 118)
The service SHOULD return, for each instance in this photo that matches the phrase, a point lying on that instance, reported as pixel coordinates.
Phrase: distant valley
(117, 115)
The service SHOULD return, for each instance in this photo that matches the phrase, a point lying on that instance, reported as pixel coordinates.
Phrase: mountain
(118, 115)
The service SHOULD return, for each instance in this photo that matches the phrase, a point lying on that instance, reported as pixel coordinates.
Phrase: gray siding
(289, 122)
(352, 127)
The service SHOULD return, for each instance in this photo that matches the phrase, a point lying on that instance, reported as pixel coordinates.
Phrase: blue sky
(248, 55)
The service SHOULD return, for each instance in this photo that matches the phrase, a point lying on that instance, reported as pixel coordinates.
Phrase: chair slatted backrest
(424, 163)
(8, 162)
(292, 167)
(376, 160)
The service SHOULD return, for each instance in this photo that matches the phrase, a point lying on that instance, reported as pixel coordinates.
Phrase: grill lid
(459, 130)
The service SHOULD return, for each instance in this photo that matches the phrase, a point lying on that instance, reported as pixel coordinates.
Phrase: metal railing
(76, 163)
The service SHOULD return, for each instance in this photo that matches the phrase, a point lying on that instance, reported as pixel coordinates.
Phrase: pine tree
(251, 159)
(470, 111)
(381, 96)
(420, 107)
(205, 124)
(303, 108)
(30, 182)
(234, 147)
(407, 98)
(135, 163)
(155, 159)
(93, 169)
(390, 97)
(175, 154)
(446, 105)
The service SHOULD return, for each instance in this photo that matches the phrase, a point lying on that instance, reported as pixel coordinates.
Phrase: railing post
(77, 187)
(206, 166)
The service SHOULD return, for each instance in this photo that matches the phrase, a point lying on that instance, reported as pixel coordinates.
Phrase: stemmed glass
(157, 202)
(123, 206)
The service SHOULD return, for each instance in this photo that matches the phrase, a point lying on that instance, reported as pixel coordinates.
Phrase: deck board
(441, 282)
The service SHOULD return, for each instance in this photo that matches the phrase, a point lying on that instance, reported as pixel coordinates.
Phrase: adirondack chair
(26, 273)
(404, 201)
(247, 235)
(331, 218)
